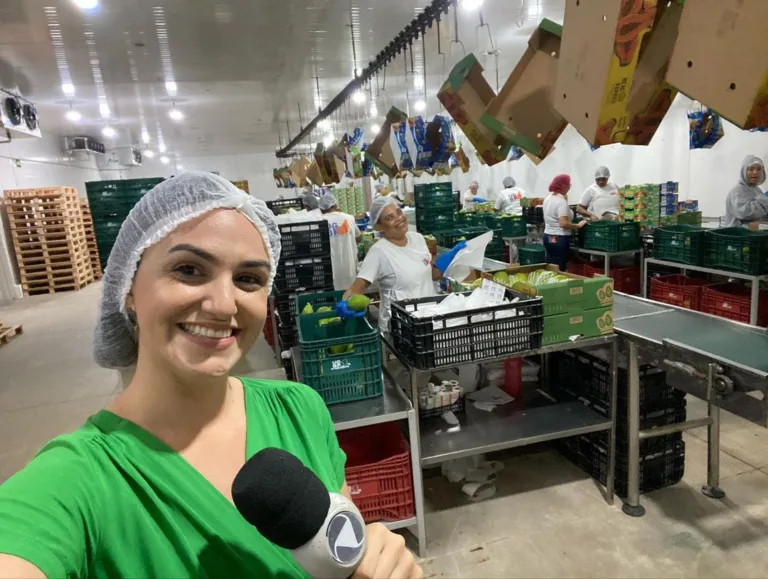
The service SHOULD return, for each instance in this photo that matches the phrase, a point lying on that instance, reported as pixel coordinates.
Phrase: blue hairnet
(602, 172)
(378, 205)
(327, 202)
(154, 217)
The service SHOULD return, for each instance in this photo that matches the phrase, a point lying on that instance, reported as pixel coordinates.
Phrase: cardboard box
(613, 61)
(587, 324)
(379, 152)
(721, 58)
(524, 111)
(466, 95)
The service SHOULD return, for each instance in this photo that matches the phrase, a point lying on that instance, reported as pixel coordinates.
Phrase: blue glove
(343, 309)
(444, 261)
(478, 200)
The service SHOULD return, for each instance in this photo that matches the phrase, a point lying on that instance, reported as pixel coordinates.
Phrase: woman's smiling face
(200, 295)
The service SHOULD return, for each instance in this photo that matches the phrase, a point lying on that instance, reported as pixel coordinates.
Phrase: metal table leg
(418, 484)
(610, 478)
(632, 506)
(754, 302)
(712, 488)
(644, 269)
(607, 265)
(275, 331)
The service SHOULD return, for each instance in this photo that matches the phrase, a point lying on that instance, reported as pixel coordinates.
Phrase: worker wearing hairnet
(400, 262)
(508, 200)
(601, 199)
(746, 203)
(471, 197)
(344, 235)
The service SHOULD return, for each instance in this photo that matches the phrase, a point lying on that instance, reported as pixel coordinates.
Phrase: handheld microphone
(291, 507)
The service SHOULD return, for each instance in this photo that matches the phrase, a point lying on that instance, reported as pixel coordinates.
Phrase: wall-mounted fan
(13, 111)
(30, 116)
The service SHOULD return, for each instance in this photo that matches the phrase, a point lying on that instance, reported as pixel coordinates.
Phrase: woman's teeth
(206, 332)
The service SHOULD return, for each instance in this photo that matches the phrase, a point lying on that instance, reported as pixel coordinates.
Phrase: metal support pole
(632, 506)
(418, 484)
(754, 302)
(712, 488)
(607, 259)
(644, 269)
(275, 332)
(611, 475)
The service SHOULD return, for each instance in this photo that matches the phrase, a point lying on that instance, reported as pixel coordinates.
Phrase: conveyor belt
(734, 344)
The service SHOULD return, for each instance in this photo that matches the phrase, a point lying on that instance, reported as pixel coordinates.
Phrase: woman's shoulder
(287, 392)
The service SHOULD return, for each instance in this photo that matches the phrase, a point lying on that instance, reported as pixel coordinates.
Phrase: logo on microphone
(346, 537)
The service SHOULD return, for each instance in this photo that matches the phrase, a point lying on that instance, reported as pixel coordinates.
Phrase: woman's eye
(187, 270)
(250, 280)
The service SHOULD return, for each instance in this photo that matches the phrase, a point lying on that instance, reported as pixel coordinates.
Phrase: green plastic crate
(344, 376)
(318, 300)
(429, 223)
(737, 249)
(512, 226)
(612, 236)
(531, 254)
(679, 243)
(689, 218)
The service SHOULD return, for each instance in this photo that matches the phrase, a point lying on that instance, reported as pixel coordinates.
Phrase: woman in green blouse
(143, 489)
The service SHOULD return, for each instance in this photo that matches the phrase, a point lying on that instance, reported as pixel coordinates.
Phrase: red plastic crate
(269, 332)
(678, 290)
(378, 472)
(576, 266)
(732, 301)
(626, 279)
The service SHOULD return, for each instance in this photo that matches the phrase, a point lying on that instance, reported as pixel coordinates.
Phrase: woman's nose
(220, 300)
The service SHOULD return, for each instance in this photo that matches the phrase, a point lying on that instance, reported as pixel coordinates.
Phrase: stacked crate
(650, 205)
(585, 375)
(434, 207)
(305, 266)
(110, 203)
(90, 239)
(48, 239)
(351, 200)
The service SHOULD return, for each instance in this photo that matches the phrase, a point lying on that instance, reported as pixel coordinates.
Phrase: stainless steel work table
(391, 406)
(724, 363)
(606, 255)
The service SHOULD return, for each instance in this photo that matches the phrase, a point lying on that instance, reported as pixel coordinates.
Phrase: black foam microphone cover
(281, 497)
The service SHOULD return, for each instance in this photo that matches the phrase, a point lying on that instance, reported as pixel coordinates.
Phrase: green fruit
(462, 238)
(327, 321)
(501, 277)
(324, 309)
(342, 349)
(308, 309)
(477, 283)
(358, 302)
(520, 277)
(562, 279)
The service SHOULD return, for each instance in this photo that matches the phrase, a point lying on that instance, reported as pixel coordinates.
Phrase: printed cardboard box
(379, 152)
(466, 95)
(587, 324)
(721, 58)
(524, 111)
(613, 59)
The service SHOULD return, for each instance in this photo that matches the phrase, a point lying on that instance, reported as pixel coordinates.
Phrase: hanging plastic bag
(440, 138)
(469, 258)
(406, 163)
(515, 153)
(705, 128)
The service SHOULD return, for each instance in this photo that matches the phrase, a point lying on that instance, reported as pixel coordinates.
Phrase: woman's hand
(581, 224)
(386, 556)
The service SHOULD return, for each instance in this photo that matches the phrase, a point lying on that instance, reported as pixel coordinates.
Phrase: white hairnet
(751, 161)
(380, 187)
(602, 172)
(327, 202)
(509, 182)
(378, 205)
(309, 201)
(474, 184)
(154, 217)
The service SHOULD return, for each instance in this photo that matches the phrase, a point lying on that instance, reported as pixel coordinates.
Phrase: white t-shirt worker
(601, 197)
(344, 236)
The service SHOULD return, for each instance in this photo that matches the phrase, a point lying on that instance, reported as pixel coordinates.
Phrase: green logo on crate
(605, 293)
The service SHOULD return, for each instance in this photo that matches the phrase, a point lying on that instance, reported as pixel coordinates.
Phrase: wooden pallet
(49, 239)
(90, 239)
(8, 333)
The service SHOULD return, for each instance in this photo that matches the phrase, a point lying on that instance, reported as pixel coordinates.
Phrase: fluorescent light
(328, 140)
(375, 129)
(164, 160)
(145, 135)
(418, 81)
(73, 115)
(108, 132)
(324, 124)
(104, 111)
(420, 106)
(470, 4)
(533, 11)
(359, 97)
(68, 89)
(162, 148)
(171, 87)
(149, 153)
(86, 4)
(176, 114)
(374, 109)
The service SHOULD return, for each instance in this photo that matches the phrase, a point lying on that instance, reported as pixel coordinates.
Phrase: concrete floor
(547, 519)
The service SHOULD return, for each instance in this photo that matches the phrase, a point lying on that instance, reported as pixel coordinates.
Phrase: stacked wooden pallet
(8, 333)
(90, 238)
(49, 239)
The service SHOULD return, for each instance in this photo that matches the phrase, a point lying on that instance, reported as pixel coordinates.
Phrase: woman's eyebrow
(201, 253)
(255, 263)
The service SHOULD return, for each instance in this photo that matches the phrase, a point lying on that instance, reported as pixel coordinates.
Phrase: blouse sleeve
(48, 511)
(337, 456)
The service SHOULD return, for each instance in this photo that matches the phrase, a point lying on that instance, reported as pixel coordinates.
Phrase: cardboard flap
(379, 152)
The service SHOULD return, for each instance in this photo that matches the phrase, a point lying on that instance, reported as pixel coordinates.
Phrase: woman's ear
(129, 303)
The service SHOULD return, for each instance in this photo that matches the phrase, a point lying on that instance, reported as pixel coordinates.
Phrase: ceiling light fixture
(162, 148)
(108, 132)
(418, 81)
(176, 114)
(359, 97)
(73, 116)
(145, 138)
(104, 111)
(324, 124)
(68, 89)
(171, 87)
(420, 106)
(86, 4)
(149, 153)
(375, 129)
(164, 160)
(328, 140)
(470, 4)
(374, 110)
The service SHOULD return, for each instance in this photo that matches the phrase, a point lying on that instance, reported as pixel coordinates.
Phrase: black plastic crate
(279, 205)
(294, 275)
(534, 215)
(304, 239)
(467, 336)
(648, 446)
(287, 364)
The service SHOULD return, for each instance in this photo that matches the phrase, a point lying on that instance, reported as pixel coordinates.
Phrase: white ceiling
(240, 67)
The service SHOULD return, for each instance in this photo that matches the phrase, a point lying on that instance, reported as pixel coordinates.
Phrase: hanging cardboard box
(466, 95)
(314, 174)
(299, 171)
(524, 112)
(379, 152)
(721, 58)
(613, 58)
